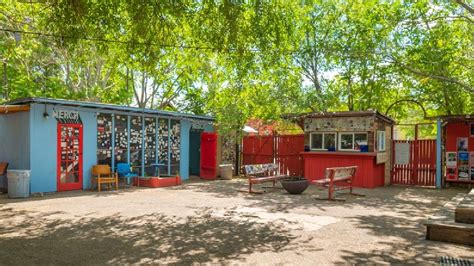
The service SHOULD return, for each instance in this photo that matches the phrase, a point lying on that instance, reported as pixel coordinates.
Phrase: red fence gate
(282, 149)
(421, 167)
(257, 150)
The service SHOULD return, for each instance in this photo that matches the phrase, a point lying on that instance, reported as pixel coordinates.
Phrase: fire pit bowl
(295, 185)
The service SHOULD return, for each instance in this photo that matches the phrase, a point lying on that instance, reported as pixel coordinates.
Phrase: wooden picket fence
(285, 150)
(421, 169)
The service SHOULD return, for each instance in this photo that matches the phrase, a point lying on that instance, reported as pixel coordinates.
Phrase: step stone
(442, 226)
(464, 212)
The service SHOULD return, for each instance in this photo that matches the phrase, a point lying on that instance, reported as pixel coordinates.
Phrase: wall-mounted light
(45, 113)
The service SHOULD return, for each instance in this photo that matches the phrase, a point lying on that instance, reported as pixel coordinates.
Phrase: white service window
(316, 140)
(323, 141)
(352, 141)
(346, 141)
(381, 141)
(330, 141)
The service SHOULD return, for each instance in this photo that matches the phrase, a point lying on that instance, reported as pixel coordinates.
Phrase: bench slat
(260, 173)
(266, 178)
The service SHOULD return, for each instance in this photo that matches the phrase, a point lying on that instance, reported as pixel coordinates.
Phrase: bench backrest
(340, 172)
(101, 169)
(260, 169)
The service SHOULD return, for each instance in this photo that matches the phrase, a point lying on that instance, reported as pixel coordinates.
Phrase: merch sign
(67, 117)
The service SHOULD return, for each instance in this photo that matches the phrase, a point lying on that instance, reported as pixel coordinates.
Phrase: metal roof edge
(84, 104)
(339, 114)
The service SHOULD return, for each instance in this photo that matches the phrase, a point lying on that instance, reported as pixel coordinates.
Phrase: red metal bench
(337, 178)
(261, 173)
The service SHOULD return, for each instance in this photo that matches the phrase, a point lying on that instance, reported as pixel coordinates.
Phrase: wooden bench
(337, 178)
(261, 173)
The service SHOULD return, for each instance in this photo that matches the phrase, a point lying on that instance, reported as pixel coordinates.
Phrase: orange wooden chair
(101, 174)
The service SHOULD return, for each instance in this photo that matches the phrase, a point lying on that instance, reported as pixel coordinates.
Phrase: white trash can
(18, 183)
(226, 171)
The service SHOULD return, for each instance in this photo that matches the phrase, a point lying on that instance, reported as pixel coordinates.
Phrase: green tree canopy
(242, 59)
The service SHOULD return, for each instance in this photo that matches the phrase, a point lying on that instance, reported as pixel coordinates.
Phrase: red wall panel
(368, 175)
(458, 130)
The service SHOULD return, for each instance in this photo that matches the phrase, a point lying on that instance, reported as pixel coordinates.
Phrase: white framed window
(381, 141)
(352, 141)
(323, 141)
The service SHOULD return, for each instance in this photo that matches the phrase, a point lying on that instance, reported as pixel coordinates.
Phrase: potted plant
(295, 184)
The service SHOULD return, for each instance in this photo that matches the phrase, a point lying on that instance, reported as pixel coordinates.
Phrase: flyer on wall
(471, 163)
(451, 173)
(461, 144)
(463, 172)
(451, 159)
(463, 158)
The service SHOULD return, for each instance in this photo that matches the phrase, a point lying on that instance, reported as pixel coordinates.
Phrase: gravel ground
(211, 222)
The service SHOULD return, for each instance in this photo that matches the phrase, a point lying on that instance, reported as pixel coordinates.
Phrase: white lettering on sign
(198, 126)
(62, 114)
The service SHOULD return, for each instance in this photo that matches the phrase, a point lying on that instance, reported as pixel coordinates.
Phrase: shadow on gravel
(33, 238)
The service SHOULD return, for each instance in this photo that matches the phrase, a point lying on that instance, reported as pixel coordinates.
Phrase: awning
(248, 129)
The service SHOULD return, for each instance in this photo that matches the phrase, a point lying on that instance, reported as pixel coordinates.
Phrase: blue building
(60, 140)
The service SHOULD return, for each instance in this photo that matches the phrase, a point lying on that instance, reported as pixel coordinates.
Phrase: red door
(208, 156)
(69, 156)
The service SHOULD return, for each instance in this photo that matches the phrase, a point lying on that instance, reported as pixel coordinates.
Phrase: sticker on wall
(461, 144)
(451, 159)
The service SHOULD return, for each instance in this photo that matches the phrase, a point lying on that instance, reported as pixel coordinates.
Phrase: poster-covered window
(136, 139)
(175, 145)
(104, 139)
(150, 146)
(163, 145)
(121, 139)
(381, 141)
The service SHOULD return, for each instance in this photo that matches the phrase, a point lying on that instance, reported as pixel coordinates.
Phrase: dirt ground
(211, 222)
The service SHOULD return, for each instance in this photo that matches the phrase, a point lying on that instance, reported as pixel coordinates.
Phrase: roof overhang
(299, 117)
(457, 118)
(8, 109)
(109, 107)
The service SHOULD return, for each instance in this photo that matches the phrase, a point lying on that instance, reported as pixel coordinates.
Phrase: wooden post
(237, 154)
(438, 154)
(414, 173)
(275, 150)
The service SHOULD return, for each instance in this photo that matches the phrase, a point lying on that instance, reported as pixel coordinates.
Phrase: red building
(458, 139)
(339, 139)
